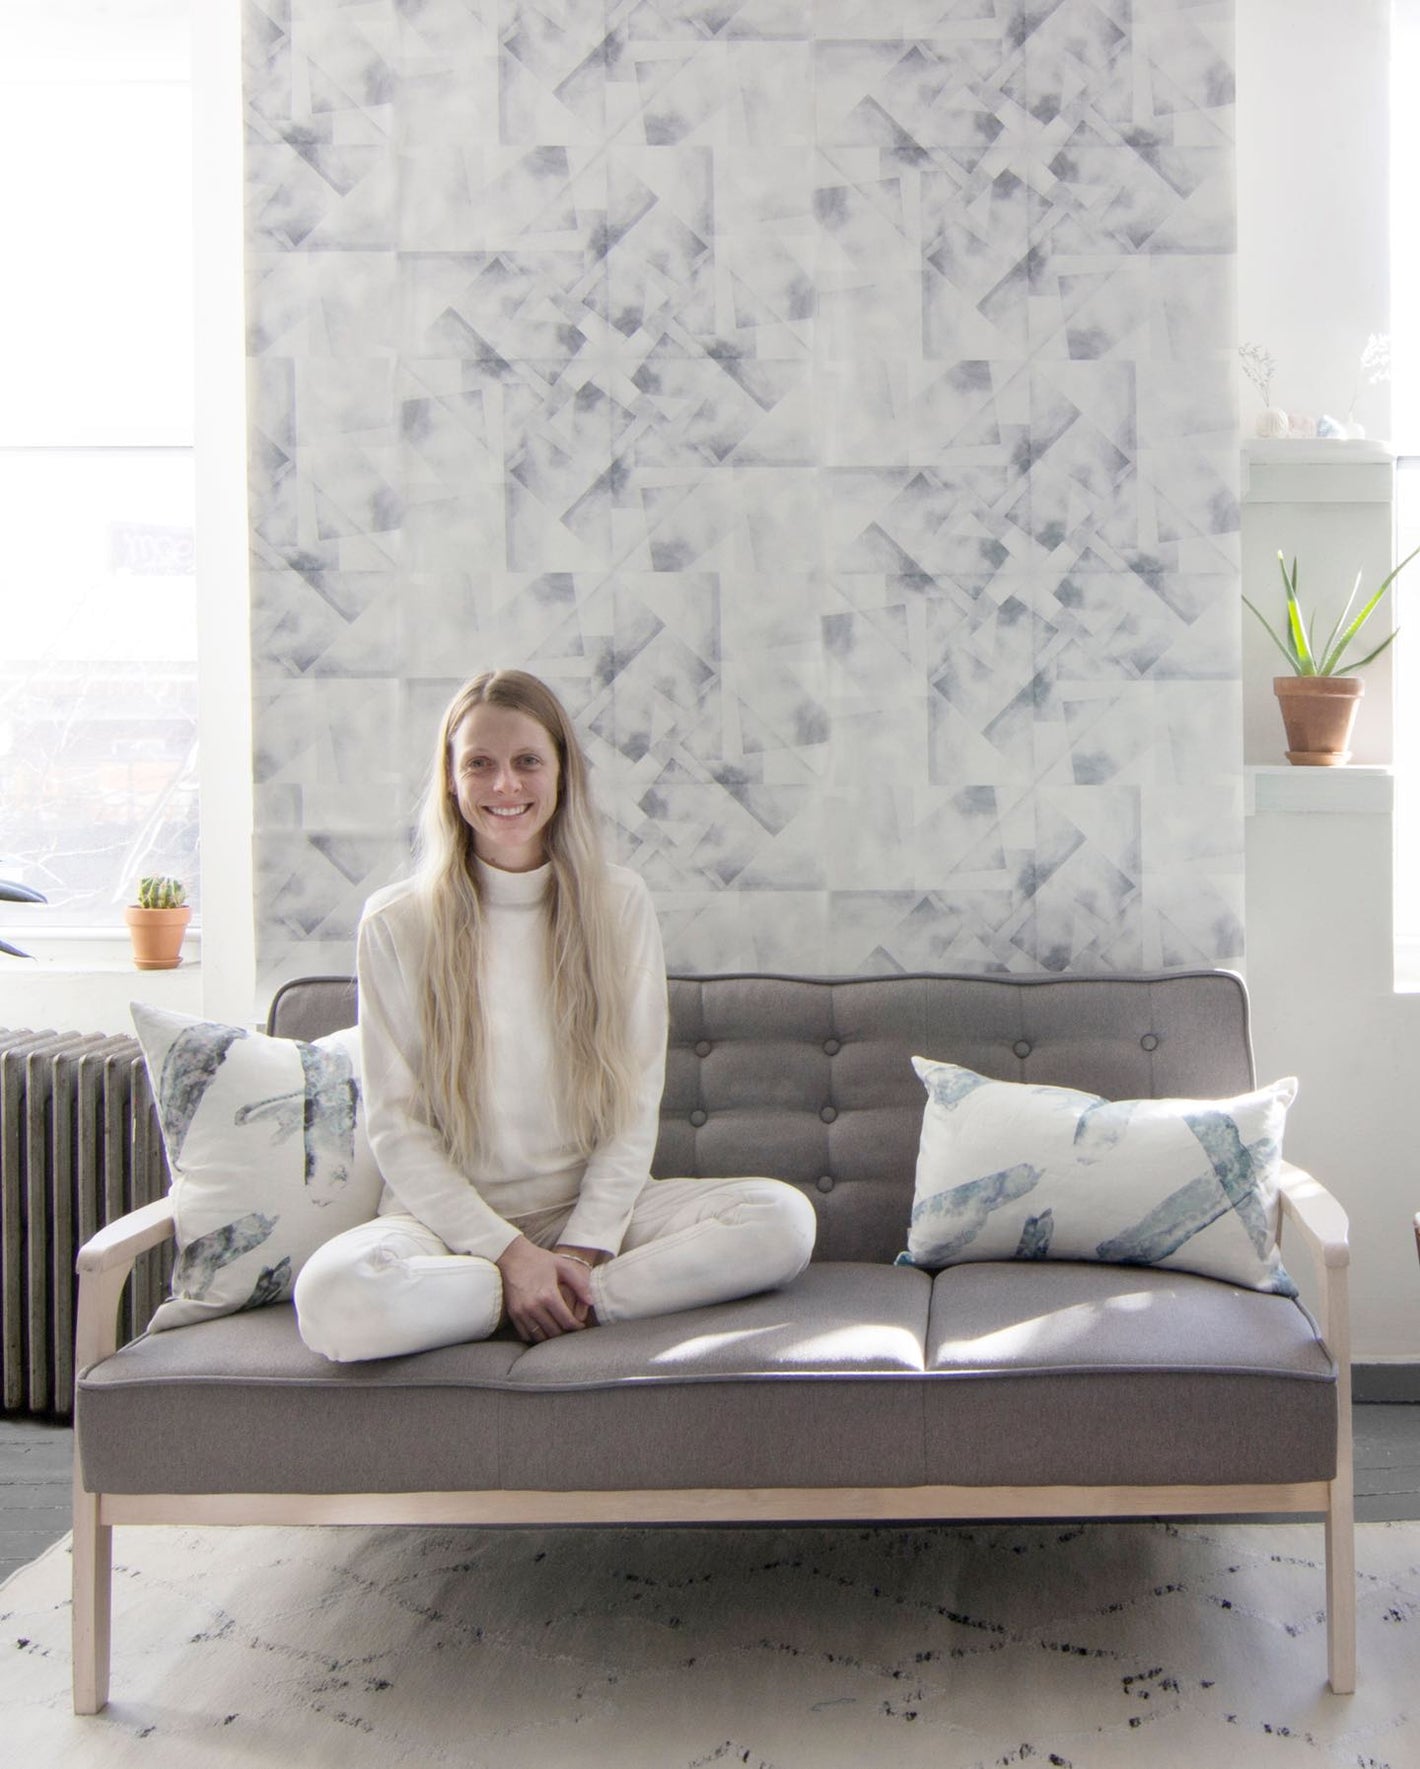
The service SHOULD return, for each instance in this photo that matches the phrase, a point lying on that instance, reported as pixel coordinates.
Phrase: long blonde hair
(586, 963)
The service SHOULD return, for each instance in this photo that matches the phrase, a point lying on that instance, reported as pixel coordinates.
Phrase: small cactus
(161, 893)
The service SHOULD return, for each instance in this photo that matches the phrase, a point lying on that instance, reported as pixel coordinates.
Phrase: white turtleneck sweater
(528, 1165)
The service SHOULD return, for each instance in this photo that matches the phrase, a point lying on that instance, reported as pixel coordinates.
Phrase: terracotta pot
(157, 935)
(1318, 713)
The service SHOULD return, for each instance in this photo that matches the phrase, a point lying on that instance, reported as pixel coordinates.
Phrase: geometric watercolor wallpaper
(832, 399)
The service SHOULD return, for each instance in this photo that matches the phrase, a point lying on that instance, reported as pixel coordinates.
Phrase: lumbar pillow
(1010, 1171)
(267, 1148)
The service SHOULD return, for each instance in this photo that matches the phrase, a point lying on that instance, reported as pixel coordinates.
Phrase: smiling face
(504, 774)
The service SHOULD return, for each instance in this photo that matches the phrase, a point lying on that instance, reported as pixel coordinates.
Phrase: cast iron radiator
(79, 1145)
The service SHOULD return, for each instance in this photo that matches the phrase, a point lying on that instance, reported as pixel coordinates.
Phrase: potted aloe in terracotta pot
(157, 923)
(1319, 698)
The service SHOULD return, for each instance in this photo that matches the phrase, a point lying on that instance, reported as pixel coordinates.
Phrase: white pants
(391, 1286)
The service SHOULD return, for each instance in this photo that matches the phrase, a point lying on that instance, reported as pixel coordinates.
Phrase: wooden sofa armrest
(103, 1264)
(1308, 1207)
(121, 1241)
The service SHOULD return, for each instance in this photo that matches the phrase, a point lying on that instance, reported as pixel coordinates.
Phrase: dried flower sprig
(1375, 358)
(1259, 367)
(1374, 366)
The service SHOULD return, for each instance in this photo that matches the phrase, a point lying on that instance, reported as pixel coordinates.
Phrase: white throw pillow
(266, 1142)
(1006, 1170)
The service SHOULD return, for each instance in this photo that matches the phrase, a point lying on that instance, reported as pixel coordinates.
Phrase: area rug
(1087, 1646)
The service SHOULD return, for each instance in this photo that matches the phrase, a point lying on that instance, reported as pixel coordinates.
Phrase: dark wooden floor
(35, 1474)
(35, 1468)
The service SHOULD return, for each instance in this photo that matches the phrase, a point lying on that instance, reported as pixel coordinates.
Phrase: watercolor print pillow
(1006, 1170)
(267, 1149)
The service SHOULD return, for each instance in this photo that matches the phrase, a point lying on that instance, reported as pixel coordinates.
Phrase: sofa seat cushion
(813, 1385)
(240, 1404)
(1125, 1376)
(836, 1319)
(1023, 1375)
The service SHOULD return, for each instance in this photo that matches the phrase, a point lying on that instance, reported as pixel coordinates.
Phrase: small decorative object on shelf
(10, 892)
(1375, 366)
(157, 923)
(1273, 424)
(1259, 368)
(1318, 702)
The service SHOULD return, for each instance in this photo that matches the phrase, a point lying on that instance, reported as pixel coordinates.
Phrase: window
(98, 679)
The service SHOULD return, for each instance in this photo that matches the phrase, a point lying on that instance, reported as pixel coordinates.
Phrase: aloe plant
(161, 893)
(1297, 641)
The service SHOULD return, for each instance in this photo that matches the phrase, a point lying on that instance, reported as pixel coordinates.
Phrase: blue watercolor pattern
(965, 1209)
(189, 1067)
(199, 1263)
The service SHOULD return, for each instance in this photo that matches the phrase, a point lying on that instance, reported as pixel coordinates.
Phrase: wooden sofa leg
(93, 1577)
(1341, 1588)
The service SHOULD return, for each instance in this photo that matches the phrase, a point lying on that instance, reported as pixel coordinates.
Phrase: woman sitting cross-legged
(513, 1036)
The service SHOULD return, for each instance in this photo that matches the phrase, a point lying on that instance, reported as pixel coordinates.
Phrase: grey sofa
(864, 1391)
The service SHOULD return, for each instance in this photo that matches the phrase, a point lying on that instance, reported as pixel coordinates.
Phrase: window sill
(1293, 791)
(77, 950)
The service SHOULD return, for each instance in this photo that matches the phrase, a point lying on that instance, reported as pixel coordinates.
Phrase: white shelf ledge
(1332, 472)
(1319, 792)
(1326, 451)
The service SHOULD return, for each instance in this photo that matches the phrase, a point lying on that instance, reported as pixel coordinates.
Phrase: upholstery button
(698, 1117)
(703, 1048)
(1021, 1047)
(1150, 1041)
(831, 1047)
(826, 1183)
(828, 1114)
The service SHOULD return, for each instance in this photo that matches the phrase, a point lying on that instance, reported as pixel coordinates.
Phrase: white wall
(1325, 1009)
(1313, 197)
(73, 992)
(1313, 285)
(1313, 275)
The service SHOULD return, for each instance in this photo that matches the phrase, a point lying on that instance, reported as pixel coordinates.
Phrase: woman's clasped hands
(546, 1294)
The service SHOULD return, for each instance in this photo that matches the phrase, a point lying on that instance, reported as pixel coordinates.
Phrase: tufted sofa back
(811, 1080)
